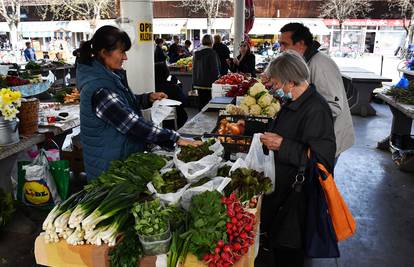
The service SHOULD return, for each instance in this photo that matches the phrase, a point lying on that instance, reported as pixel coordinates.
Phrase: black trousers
(204, 96)
(289, 257)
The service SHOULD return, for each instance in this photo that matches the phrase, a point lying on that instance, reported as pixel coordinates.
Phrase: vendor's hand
(186, 142)
(271, 140)
(157, 96)
(236, 61)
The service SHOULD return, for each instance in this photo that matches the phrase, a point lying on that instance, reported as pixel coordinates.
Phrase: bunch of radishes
(240, 231)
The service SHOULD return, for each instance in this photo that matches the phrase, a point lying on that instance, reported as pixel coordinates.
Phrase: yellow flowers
(10, 101)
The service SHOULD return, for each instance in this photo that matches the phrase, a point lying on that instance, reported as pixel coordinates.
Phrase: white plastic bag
(217, 183)
(257, 160)
(205, 167)
(39, 188)
(169, 198)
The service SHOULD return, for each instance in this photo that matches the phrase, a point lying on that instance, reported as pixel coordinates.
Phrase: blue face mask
(284, 96)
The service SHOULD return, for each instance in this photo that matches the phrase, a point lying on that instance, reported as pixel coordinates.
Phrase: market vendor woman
(112, 126)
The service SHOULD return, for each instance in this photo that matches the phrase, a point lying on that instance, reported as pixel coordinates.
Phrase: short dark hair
(107, 37)
(159, 41)
(299, 33)
(187, 42)
(27, 43)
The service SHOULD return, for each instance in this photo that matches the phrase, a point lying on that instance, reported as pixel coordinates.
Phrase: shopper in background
(245, 62)
(304, 122)
(325, 74)
(171, 86)
(29, 52)
(111, 122)
(159, 54)
(186, 49)
(223, 53)
(206, 69)
(76, 52)
(174, 51)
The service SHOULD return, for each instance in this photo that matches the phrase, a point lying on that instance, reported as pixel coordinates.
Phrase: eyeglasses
(243, 45)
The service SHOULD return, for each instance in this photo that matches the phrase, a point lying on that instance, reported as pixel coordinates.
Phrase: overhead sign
(144, 31)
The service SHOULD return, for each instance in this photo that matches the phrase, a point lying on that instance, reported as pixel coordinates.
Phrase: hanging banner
(145, 31)
(249, 16)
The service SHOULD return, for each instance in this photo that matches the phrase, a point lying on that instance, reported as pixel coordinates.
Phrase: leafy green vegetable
(208, 217)
(224, 171)
(171, 181)
(136, 171)
(151, 218)
(200, 182)
(192, 153)
(248, 183)
(404, 96)
(6, 207)
(128, 252)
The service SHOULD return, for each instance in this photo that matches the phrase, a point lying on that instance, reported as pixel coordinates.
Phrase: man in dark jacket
(223, 53)
(174, 51)
(206, 70)
(159, 55)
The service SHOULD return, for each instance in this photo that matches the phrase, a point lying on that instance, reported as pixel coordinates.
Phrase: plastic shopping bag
(36, 185)
(217, 183)
(257, 160)
(205, 167)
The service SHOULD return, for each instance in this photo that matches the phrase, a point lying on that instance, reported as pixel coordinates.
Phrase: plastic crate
(239, 143)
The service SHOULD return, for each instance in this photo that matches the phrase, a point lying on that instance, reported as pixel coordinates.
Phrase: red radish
(220, 243)
(217, 250)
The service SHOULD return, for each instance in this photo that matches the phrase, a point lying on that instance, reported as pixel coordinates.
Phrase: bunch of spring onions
(94, 217)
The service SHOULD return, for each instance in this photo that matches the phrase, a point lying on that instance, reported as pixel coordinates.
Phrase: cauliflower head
(276, 105)
(265, 100)
(248, 101)
(255, 110)
(269, 111)
(244, 108)
(256, 89)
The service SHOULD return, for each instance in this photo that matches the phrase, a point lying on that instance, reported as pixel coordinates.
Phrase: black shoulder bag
(289, 222)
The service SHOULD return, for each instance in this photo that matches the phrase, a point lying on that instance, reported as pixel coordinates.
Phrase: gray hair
(289, 66)
(207, 40)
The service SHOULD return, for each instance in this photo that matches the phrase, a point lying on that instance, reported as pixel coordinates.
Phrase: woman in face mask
(304, 122)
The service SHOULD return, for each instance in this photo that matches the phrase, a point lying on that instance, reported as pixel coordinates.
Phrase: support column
(140, 63)
(239, 7)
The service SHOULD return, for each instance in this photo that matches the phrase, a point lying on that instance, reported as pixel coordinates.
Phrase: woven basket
(29, 116)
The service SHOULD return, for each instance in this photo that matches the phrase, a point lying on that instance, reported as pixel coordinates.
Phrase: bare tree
(90, 10)
(10, 10)
(209, 8)
(406, 9)
(342, 10)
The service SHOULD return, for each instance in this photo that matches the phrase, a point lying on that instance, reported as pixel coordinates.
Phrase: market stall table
(186, 78)
(402, 121)
(363, 84)
(354, 69)
(58, 132)
(348, 85)
(204, 122)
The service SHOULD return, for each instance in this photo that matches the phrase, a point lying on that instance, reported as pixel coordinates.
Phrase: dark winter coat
(303, 123)
(206, 67)
(223, 53)
(159, 55)
(246, 65)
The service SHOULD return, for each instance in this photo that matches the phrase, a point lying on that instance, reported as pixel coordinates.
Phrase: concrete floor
(380, 197)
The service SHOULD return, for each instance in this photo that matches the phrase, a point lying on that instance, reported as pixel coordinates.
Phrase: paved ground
(380, 197)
